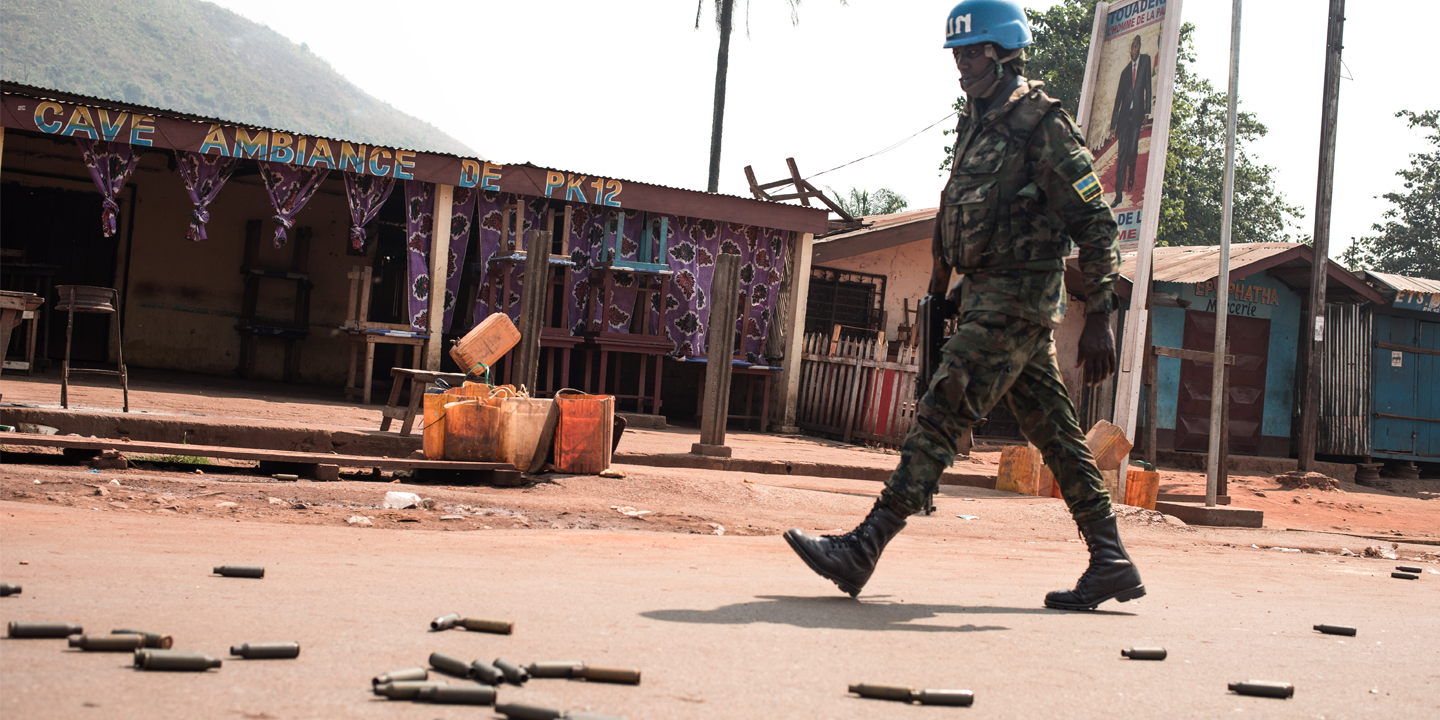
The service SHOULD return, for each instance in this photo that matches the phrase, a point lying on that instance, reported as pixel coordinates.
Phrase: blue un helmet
(999, 21)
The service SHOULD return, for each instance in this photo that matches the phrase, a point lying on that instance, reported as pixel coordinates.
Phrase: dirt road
(724, 626)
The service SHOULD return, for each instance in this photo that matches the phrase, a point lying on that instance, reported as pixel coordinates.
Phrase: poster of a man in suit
(1133, 98)
(1122, 105)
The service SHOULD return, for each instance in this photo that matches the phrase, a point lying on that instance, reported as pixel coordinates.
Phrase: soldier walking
(1022, 185)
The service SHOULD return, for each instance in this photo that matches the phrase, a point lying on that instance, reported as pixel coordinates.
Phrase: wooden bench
(418, 380)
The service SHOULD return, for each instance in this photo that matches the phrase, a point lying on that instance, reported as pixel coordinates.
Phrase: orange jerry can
(583, 435)
(485, 344)
(1141, 487)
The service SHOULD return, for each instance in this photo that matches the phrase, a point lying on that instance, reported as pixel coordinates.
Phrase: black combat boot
(849, 559)
(1111, 575)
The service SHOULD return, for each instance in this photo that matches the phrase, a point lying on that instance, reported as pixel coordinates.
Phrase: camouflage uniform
(1021, 187)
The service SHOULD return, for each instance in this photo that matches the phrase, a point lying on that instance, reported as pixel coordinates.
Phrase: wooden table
(369, 338)
(418, 380)
(765, 374)
(16, 307)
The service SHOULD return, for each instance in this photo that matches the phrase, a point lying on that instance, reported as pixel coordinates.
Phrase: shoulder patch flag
(1088, 187)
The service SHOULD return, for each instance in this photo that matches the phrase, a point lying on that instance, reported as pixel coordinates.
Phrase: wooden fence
(849, 389)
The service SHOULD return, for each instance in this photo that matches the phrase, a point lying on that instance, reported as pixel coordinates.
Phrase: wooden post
(439, 269)
(1312, 337)
(720, 331)
(795, 299)
(532, 309)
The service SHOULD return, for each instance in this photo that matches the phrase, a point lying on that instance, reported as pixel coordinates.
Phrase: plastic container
(1141, 487)
(472, 430)
(522, 422)
(433, 429)
(485, 344)
(583, 435)
(1019, 470)
(1108, 444)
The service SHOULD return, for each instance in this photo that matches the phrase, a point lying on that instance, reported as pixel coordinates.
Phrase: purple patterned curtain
(110, 166)
(366, 194)
(462, 209)
(692, 250)
(419, 212)
(290, 188)
(204, 175)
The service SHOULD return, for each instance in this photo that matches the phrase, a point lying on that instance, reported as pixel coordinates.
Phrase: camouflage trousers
(990, 356)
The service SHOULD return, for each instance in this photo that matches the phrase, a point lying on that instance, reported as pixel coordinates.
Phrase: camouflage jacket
(1022, 185)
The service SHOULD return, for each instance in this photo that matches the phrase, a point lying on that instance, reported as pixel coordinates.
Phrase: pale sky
(624, 88)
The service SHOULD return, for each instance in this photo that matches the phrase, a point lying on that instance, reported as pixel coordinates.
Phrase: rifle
(934, 311)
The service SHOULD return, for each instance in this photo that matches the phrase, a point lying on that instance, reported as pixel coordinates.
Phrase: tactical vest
(994, 216)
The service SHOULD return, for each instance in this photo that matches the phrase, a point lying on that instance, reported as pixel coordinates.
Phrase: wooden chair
(752, 372)
(85, 299)
(252, 329)
(650, 275)
(905, 331)
(364, 333)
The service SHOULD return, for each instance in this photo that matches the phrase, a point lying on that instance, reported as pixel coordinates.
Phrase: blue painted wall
(1257, 296)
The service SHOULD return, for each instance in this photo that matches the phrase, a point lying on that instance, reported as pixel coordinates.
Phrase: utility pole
(1315, 334)
(717, 125)
(1219, 388)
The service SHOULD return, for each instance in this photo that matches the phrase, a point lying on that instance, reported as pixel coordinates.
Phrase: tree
(1191, 207)
(1408, 242)
(724, 16)
(863, 202)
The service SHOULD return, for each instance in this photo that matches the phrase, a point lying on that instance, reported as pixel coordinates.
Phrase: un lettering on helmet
(957, 23)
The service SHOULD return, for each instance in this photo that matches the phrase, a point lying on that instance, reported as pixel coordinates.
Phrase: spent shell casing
(514, 674)
(174, 660)
(517, 711)
(404, 689)
(458, 695)
(445, 622)
(1336, 630)
(1143, 653)
(1404, 576)
(1262, 688)
(883, 692)
(23, 629)
(449, 665)
(608, 675)
(6, 589)
(553, 669)
(499, 627)
(486, 673)
(152, 640)
(107, 643)
(408, 674)
(267, 650)
(953, 698)
(241, 571)
(1401, 568)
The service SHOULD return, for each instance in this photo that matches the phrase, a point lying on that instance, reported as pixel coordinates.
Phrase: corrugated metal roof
(877, 223)
(1192, 264)
(1404, 282)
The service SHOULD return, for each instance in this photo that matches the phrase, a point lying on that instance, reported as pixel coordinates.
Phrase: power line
(888, 149)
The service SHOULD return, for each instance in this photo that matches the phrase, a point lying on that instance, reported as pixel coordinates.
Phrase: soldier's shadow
(840, 613)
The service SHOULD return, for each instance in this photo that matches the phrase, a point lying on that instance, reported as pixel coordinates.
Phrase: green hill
(198, 58)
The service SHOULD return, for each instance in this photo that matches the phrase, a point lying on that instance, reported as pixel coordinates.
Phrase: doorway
(1250, 344)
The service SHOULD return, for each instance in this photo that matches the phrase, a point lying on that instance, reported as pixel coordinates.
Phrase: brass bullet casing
(577, 715)
(241, 571)
(486, 673)
(1404, 576)
(152, 640)
(267, 651)
(445, 622)
(1260, 688)
(884, 692)
(1336, 630)
(107, 643)
(1143, 653)
(514, 674)
(6, 589)
(449, 665)
(499, 627)
(23, 629)
(458, 695)
(1401, 568)
(553, 669)
(516, 711)
(953, 698)
(404, 689)
(408, 674)
(608, 675)
(174, 660)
